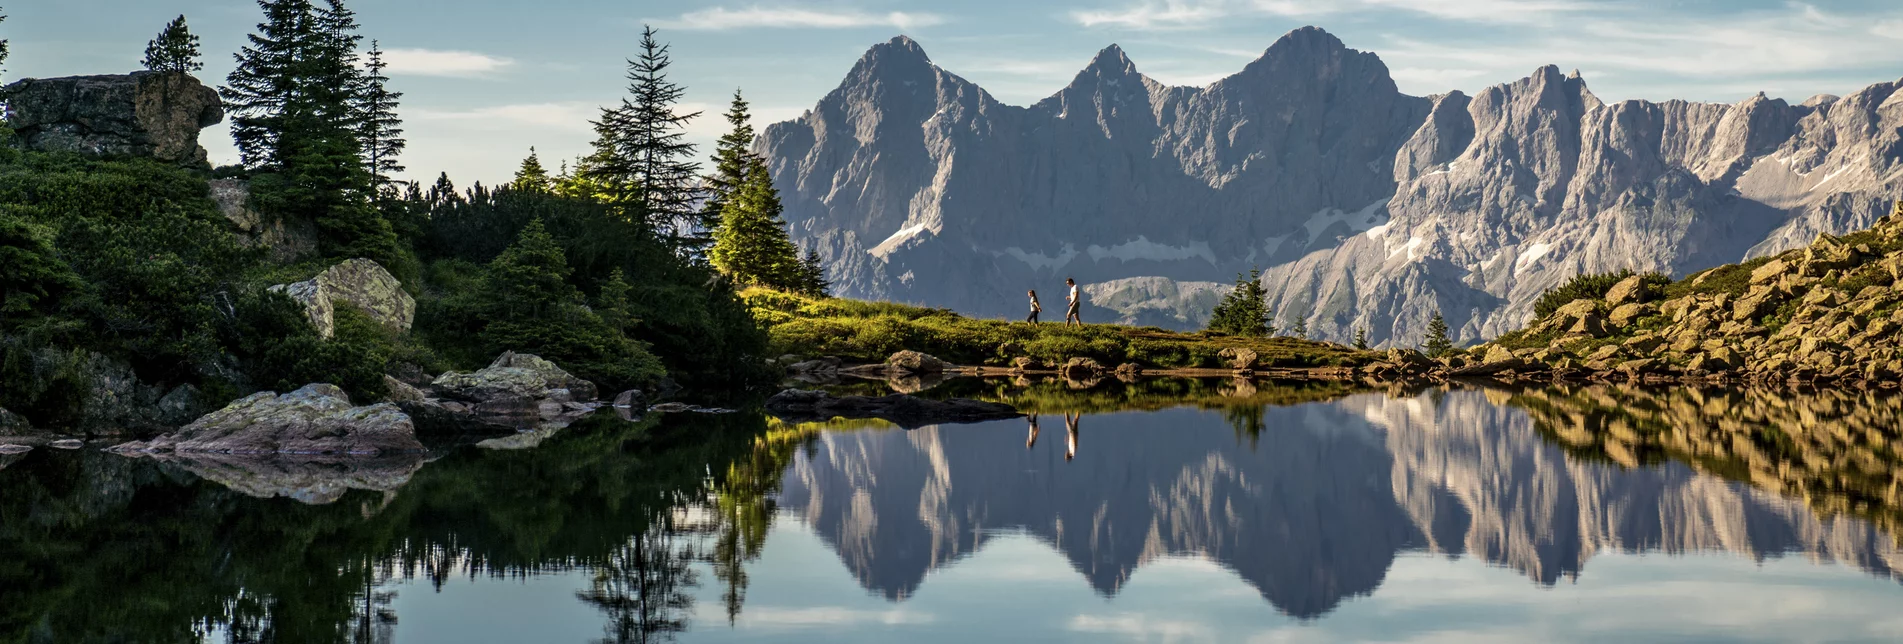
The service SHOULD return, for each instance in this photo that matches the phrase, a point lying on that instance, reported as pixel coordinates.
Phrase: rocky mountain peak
(899, 59)
(1111, 60)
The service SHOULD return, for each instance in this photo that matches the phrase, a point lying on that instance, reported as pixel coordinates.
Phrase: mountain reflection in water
(1308, 494)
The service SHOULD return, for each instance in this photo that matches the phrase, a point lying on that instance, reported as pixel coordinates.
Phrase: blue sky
(486, 79)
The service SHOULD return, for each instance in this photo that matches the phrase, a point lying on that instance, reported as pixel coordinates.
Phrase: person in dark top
(1035, 308)
(1070, 315)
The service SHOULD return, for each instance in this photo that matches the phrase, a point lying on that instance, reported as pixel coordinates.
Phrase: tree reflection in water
(101, 548)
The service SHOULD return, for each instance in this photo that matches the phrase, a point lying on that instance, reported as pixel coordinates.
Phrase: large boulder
(144, 114)
(796, 405)
(914, 362)
(517, 391)
(318, 419)
(359, 282)
(1239, 358)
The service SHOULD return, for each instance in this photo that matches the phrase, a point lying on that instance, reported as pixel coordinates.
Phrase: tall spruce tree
(1244, 311)
(381, 129)
(1361, 339)
(294, 103)
(750, 245)
(733, 156)
(531, 177)
(642, 158)
(1300, 328)
(1437, 344)
(175, 50)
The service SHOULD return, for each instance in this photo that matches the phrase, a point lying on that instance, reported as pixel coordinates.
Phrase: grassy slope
(870, 331)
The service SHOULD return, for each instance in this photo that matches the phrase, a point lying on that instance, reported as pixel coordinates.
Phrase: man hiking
(1070, 315)
(1035, 308)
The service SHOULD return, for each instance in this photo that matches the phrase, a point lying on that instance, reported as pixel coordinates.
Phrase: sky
(486, 79)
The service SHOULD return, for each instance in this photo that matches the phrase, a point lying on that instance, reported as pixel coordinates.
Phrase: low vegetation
(870, 331)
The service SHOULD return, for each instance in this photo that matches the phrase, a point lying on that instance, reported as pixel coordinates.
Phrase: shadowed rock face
(144, 114)
(1312, 513)
(1369, 208)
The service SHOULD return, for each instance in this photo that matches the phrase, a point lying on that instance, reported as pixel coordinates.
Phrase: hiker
(1070, 315)
(1035, 308)
(1070, 431)
(1032, 440)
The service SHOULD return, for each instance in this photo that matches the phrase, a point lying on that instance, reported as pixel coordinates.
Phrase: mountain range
(1365, 207)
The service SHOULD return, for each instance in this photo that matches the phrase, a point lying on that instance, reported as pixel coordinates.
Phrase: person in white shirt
(1035, 308)
(1070, 316)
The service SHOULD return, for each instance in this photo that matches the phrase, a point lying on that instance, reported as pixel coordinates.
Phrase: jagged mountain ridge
(1313, 515)
(1368, 207)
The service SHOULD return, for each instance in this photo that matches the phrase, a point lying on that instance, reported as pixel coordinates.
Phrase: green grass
(1734, 279)
(870, 331)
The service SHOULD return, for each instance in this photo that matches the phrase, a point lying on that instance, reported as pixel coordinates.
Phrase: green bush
(1590, 287)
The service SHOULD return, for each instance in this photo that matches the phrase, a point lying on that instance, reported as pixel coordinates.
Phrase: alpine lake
(1164, 510)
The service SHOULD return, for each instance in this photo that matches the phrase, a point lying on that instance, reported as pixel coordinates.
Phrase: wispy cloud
(1183, 14)
(432, 62)
(766, 17)
(573, 116)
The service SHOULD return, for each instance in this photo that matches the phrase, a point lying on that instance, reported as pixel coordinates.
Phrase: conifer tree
(733, 155)
(751, 245)
(382, 130)
(3, 47)
(1244, 311)
(1361, 339)
(1436, 344)
(642, 159)
(1300, 328)
(175, 50)
(531, 177)
(530, 278)
(266, 79)
(613, 303)
(812, 276)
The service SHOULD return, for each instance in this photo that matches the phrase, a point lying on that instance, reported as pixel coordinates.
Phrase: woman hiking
(1035, 308)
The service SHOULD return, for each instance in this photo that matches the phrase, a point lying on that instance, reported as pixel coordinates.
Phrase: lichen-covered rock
(181, 405)
(1631, 290)
(359, 282)
(1239, 358)
(914, 362)
(143, 114)
(318, 419)
(1081, 369)
(517, 391)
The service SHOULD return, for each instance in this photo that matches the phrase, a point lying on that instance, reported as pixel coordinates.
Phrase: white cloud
(431, 62)
(1158, 15)
(757, 16)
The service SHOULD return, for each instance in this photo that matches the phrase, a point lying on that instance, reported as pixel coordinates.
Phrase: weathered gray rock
(288, 240)
(401, 392)
(796, 405)
(913, 362)
(1239, 358)
(318, 419)
(1368, 208)
(361, 283)
(12, 424)
(517, 391)
(183, 404)
(143, 114)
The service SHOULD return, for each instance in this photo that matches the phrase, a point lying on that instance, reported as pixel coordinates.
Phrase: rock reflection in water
(314, 481)
(1311, 509)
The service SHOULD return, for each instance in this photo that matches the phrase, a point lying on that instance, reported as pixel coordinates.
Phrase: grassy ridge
(870, 331)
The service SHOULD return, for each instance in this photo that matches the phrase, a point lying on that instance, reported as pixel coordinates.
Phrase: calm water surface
(1188, 512)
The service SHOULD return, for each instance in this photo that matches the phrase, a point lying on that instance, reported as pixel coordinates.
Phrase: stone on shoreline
(315, 420)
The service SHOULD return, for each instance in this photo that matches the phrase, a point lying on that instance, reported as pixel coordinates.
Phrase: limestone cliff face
(1368, 208)
(147, 114)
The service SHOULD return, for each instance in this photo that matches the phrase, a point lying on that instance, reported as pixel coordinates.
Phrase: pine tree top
(174, 50)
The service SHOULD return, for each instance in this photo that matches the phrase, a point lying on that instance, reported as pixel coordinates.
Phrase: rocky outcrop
(288, 240)
(914, 363)
(1367, 208)
(144, 114)
(1831, 311)
(318, 419)
(798, 405)
(516, 392)
(361, 283)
